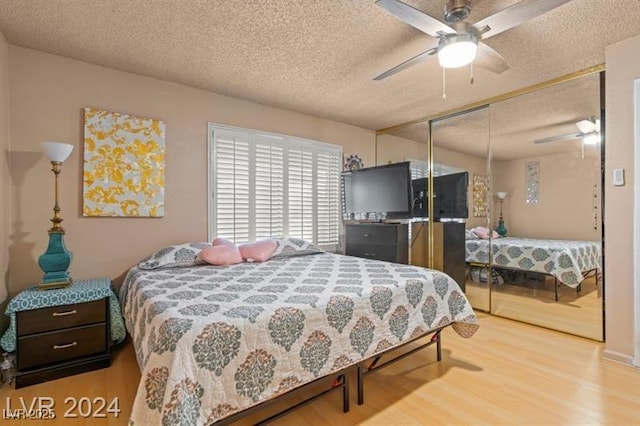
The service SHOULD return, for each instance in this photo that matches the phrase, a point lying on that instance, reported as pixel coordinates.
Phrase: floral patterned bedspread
(563, 259)
(211, 341)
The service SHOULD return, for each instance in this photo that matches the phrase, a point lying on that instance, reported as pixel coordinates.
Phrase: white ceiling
(316, 57)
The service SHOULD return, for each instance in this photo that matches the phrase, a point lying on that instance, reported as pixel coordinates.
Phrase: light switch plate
(618, 177)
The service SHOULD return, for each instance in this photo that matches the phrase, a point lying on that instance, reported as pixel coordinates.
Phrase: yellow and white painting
(480, 191)
(123, 165)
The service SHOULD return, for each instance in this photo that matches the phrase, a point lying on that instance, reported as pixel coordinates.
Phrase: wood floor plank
(509, 373)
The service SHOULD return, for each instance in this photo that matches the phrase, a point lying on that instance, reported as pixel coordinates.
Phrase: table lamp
(501, 229)
(56, 260)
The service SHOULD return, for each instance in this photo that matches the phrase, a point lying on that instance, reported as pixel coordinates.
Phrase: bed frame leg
(555, 287)
(360, 384)
(345, 394)
(439, 346)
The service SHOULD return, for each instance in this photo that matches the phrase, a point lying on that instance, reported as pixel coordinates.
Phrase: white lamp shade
(501, 195)
(56, 151)
(457, 54)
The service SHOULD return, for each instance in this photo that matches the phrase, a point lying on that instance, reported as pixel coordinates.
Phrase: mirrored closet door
(545, 180)
(528, 168)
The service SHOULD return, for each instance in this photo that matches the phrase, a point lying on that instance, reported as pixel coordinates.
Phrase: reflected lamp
(501, 229)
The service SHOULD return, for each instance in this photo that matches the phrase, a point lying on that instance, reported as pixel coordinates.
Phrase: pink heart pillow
(258, 251)
(223, 242)
(483, 233)
(221, 254)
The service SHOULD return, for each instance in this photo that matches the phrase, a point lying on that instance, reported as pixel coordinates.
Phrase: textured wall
(48, 93)
(623, 67)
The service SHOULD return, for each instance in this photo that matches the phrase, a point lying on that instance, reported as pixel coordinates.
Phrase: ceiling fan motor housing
(457, 10)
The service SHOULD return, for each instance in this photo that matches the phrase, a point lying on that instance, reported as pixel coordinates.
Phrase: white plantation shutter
(419, 168)
(328, 193)
(268, 185)
(231, 172)
(300, 183)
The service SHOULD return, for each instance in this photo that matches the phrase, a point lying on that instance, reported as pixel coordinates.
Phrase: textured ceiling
(316, 57)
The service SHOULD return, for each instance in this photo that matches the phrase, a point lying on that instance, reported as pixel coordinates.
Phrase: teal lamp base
(55, 263)
(501, 229)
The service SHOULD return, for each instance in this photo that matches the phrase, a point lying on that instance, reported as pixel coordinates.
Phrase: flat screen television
(450, 201)
(382, 189)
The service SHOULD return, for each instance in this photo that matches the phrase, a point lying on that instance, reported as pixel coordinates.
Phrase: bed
(214, 341)
(568, 262)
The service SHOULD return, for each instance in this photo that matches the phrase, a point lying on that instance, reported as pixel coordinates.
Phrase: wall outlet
(618, 177)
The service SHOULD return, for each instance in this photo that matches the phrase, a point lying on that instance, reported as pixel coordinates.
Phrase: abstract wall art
(123, 165)
(532, 178)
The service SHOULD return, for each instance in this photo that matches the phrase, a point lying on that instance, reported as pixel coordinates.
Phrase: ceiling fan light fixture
(591, 139)
(457, 51)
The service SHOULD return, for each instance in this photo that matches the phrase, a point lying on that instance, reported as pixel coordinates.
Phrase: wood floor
(579, 313)
(509, 373)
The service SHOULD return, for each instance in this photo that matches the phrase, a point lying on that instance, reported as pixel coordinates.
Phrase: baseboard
(618, 357)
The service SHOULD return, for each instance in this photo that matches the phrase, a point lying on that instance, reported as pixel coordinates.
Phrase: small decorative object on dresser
(64, 331)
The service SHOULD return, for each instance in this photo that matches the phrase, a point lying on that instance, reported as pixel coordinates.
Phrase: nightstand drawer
(59, 317)
(56, 346)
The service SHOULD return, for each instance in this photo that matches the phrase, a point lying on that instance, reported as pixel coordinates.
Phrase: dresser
(379, 241)
(58, 337)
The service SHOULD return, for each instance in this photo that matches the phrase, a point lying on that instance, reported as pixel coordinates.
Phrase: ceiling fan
(588, 131)
(458, 43)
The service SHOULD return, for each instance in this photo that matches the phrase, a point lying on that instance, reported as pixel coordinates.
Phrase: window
(269, 185)
(420, 169)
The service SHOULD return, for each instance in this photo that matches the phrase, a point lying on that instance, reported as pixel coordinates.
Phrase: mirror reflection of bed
(550, 194)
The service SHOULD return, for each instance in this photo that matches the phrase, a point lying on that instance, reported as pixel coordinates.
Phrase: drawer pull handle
(369, 235)
(68, 345)
(369, 254)
(62, 314)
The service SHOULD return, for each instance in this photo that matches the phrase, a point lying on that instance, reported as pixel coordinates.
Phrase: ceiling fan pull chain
(444, 86)
(471, 68)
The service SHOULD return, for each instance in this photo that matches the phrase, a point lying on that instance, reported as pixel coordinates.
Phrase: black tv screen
(450, 201)
(382, 189)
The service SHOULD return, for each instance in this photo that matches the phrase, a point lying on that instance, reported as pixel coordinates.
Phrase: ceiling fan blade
(406, 64)
(515, 15)
(489, 59)
(416, 18)
(559, 138)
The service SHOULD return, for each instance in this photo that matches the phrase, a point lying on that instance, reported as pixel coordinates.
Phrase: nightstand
(61, 332)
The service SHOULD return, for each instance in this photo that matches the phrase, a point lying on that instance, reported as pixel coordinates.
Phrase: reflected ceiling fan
(588, 131)
(458, 43)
